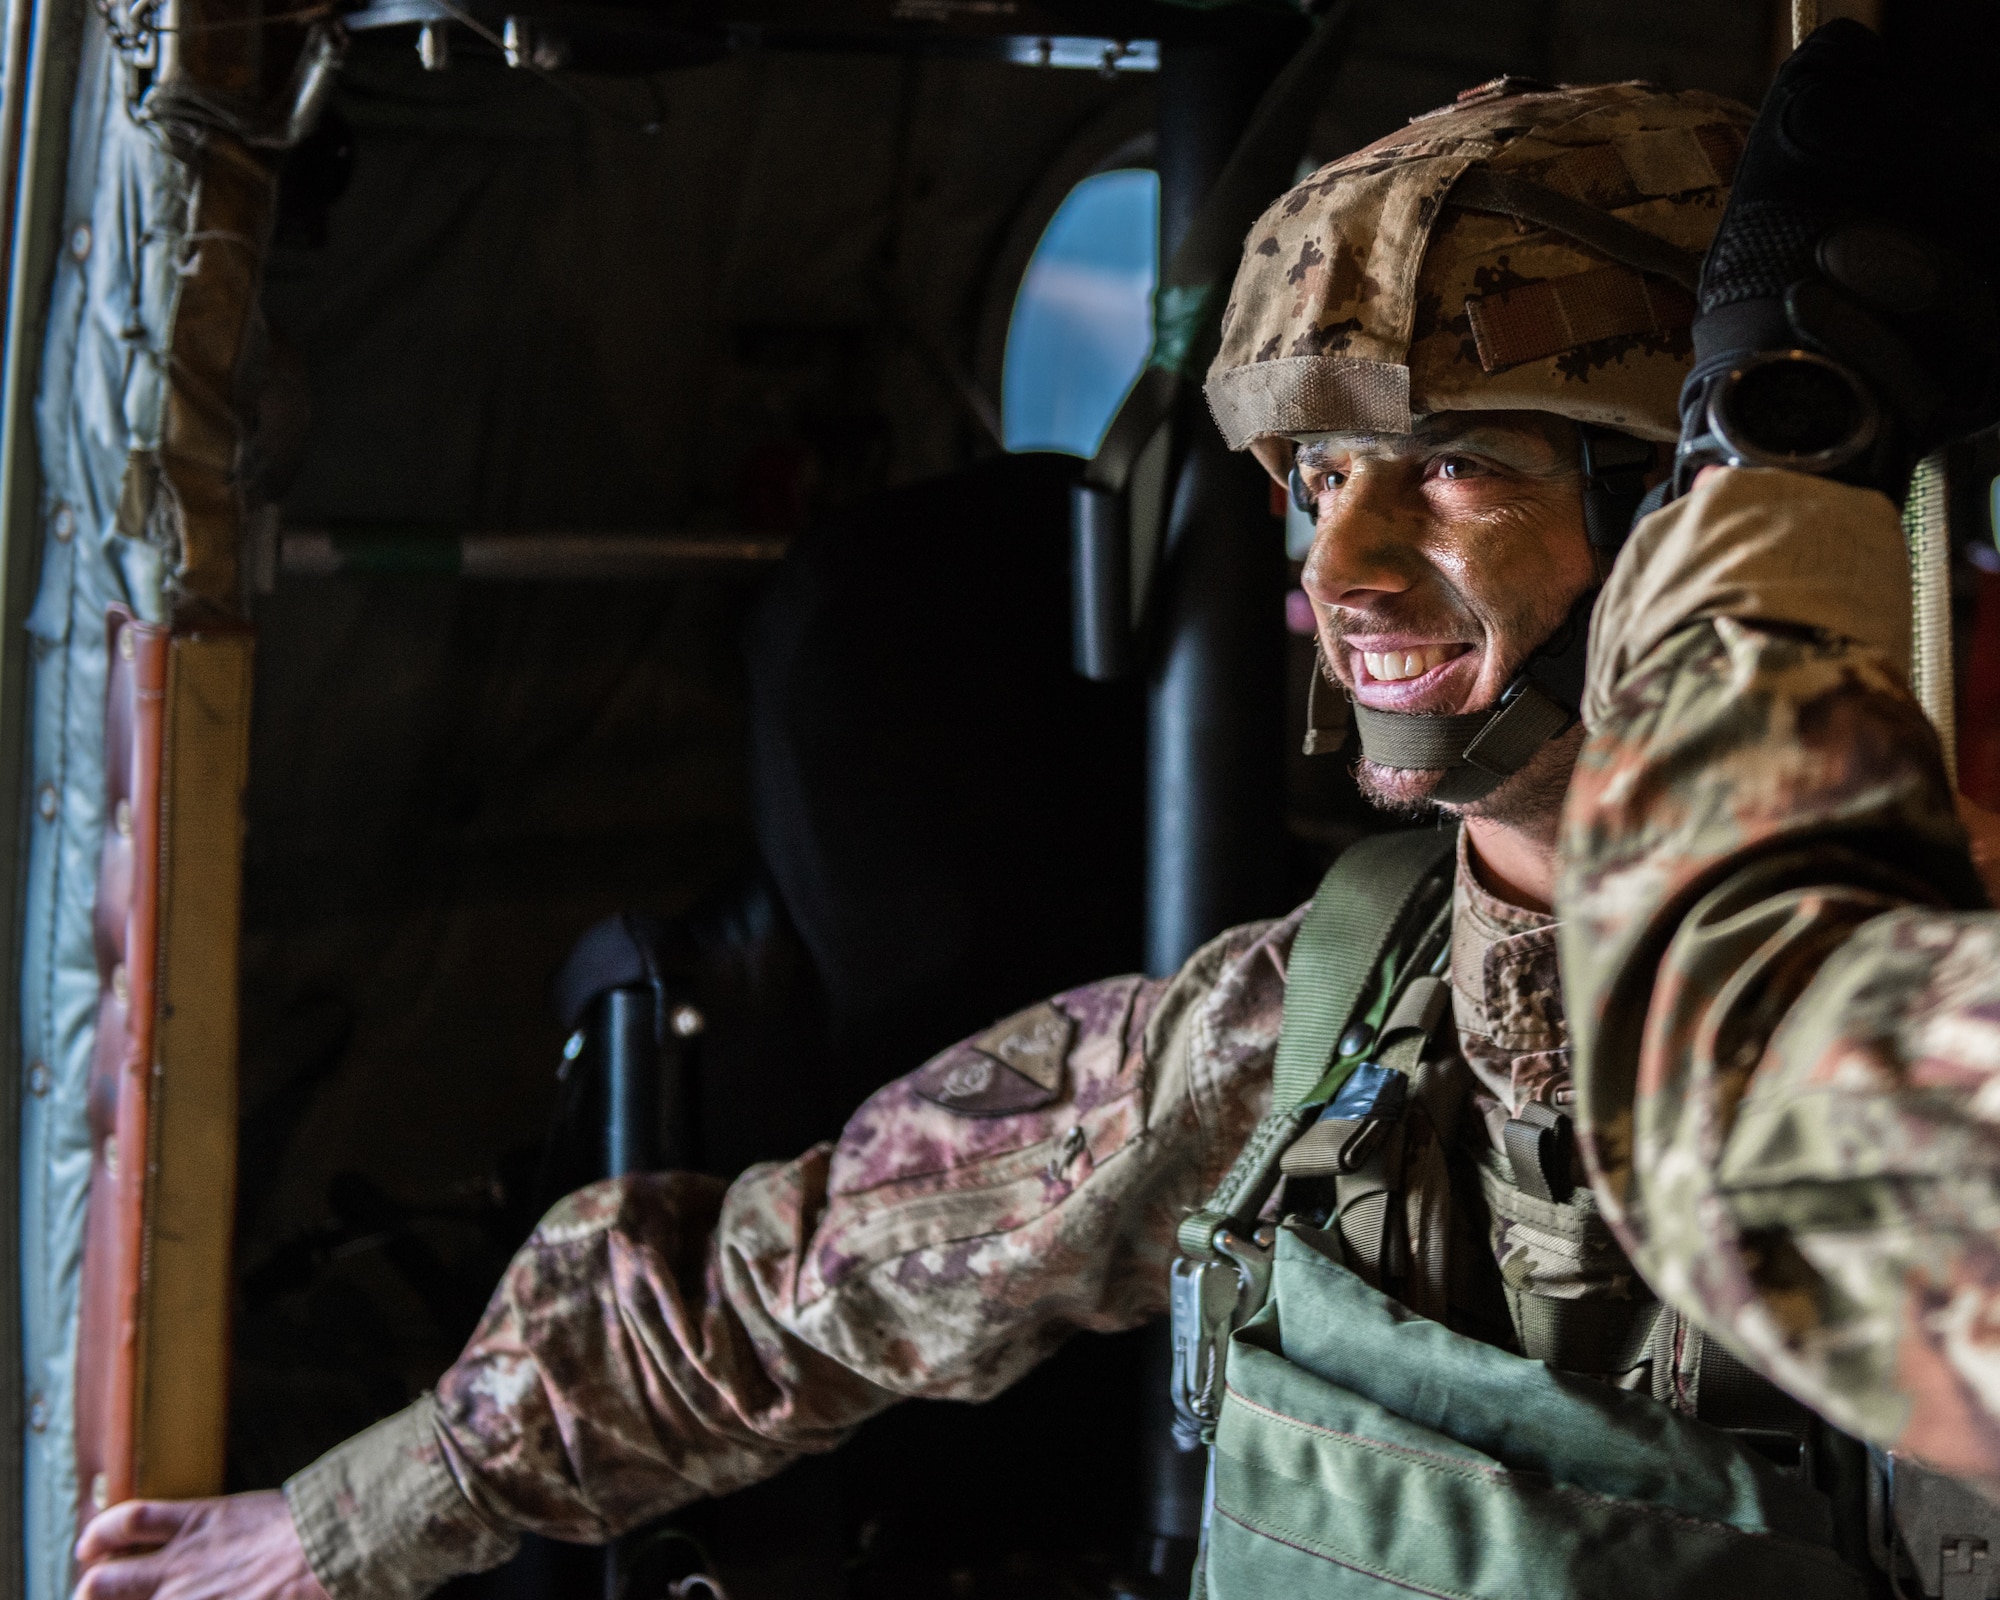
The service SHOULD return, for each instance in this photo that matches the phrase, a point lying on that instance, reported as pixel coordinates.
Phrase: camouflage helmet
(1527, 247)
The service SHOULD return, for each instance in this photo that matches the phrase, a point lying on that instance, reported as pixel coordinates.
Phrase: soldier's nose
(1360, 554)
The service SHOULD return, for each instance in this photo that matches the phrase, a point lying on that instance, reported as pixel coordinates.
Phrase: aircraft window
(1083, 318)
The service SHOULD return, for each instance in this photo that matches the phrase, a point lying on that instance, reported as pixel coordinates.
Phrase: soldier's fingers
(130, 1526)
(133, 1578)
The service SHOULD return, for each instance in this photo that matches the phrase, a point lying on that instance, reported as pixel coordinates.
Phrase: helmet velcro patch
(1531, 321)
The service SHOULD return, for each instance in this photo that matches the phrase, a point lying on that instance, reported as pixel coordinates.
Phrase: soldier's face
(1443, 558)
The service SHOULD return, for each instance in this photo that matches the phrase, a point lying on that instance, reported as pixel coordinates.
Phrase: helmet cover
(1367, 297)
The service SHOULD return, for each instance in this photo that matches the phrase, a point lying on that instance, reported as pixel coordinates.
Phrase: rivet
(79, 240)
(1357, 1039)
(686, 1022)
(100, 1491)
(126, 648)
(111, 1155)
(121, 986)
(121, 818)
(38, 1413)
(45, 802)
(40, 1079)
(63, 524)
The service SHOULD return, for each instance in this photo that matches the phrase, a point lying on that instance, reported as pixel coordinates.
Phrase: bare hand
(242, 1547)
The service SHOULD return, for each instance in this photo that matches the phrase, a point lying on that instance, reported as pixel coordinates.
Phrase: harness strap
(1361, 903)
(1352, 959)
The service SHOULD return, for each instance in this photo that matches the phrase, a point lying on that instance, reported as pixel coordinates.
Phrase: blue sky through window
(1083, 319)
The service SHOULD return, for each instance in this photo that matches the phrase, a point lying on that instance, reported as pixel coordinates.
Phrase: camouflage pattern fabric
(1368, 297)
(1787, 1015)
(665, 1338)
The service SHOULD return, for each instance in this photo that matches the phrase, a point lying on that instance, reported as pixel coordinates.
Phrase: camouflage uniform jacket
(1787, 1005)
(664, 1338)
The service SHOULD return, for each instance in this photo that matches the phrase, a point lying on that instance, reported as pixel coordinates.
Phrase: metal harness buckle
(1210, 1300)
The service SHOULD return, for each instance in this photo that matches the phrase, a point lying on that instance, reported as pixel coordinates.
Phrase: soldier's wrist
(381, 1517)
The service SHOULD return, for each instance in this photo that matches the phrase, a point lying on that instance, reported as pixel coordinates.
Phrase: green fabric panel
(1312, 1518)
(1364, 1451)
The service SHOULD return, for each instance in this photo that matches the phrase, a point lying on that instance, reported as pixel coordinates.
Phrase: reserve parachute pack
(1361, 1444)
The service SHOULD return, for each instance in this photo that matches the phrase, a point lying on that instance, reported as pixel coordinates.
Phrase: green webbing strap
(1344, 936)
(1477, 750)
(1360, 903)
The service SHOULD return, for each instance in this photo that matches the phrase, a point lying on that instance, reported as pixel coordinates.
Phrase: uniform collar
(1506, 991)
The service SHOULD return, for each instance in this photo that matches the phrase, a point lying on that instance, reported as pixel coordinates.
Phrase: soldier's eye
(1458, 467)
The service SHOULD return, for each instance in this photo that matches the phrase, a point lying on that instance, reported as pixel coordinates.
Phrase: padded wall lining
(102, 398)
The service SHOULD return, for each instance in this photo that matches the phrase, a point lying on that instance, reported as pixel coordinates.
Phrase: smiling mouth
(1397, 666)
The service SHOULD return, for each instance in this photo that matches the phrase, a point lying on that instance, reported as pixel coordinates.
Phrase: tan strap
(1544, 319)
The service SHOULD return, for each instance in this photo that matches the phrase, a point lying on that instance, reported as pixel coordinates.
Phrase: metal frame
(44, 44)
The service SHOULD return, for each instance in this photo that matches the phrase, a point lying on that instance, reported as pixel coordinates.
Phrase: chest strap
(1343, 981)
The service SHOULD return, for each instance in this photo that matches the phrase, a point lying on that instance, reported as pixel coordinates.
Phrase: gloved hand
(1849, 323)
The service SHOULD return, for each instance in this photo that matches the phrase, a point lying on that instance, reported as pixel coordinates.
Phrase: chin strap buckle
(1526, 720)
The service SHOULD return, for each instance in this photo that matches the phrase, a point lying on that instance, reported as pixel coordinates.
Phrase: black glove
(1848, 318)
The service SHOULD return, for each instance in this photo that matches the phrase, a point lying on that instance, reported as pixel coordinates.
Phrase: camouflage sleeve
(1788, 1023)
(668, 1337)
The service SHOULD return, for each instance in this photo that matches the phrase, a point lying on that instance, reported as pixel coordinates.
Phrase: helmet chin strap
(1480, 750)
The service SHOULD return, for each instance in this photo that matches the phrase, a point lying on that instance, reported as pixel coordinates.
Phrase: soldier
(1463, 346)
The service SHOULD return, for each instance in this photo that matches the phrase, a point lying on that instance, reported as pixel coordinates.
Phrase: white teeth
(1391, 666)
